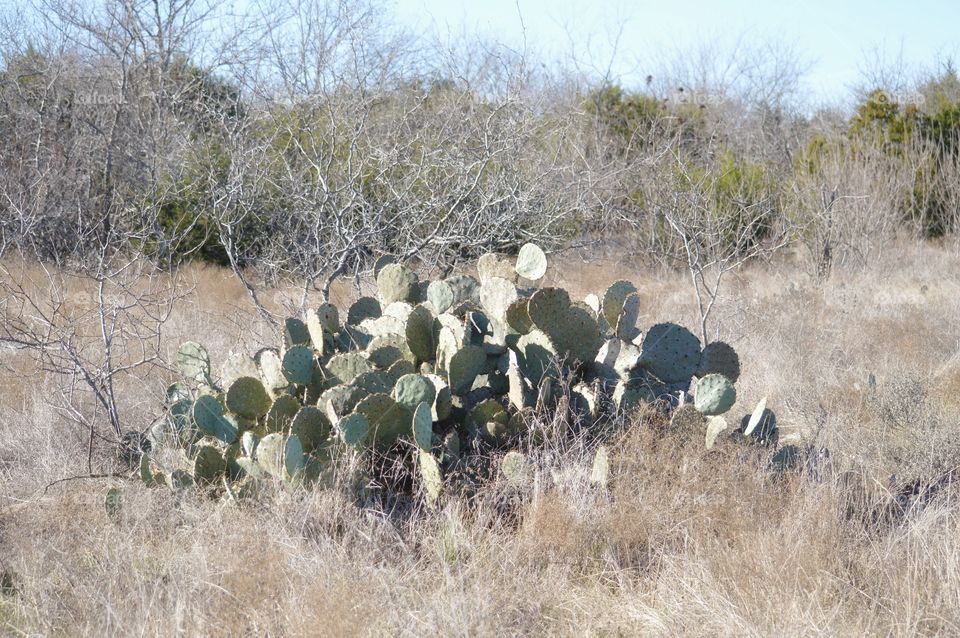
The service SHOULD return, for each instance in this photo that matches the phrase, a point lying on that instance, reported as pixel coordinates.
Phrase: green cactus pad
(431, 477)
(281, 456)
(626, 327)
(496, 295)
(248, 398)
(464, 289)
(385, 356)
(490, 420)
(715, 425)
(613, 300)
(382, 326)
(464, 366)
(344, 368)
(399, 309)
(518, 316)
(329, 317)
(719, 358)
(353, 429)
(631, 395)
(320, 338)
(363, 308)
(399, 369)
(670, 352)
(413, 389)
(440, 294)
(536, 356)
(270, 366)
(382, 262)
(297, 365)
(208, 464)
(248, 443)
(576, 335)
(209, 417)
(237, 365)
(547, 307)
(339, 401)
(423, 426)
(397, 283)
(420, 335)
(531, 262)
(714, 395)
(443, 403)
(295, 333)
(194, 362)
(373, 382)
(281, 413)
(398, 341)
(516, 468)
(311, 426)
(593, 302)
(388, 419)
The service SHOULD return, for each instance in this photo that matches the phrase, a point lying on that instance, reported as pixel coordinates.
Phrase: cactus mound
(456, 370)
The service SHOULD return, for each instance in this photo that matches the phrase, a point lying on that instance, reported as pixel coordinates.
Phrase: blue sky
(838, 39)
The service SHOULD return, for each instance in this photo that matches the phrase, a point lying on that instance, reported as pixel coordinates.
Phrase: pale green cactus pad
(237, 365)
(626, 326)
(281, 456)
(248, 398)
(496, 296)
(344, 368)
(756, 417)
(363, 308)
(536, 356)
(440, 295)
(194, 362)
(600, 472)
(719, 358)
(613, 300)
(270, 366)
(373, 382)
(423, 426)
(715, 425)
(413, 389)
(397, 283)
(397, 341)
(297, 365)
(670, 352)
(714, 395)
(209, 416)
(248, 443)
(493, 265)
(531, 262)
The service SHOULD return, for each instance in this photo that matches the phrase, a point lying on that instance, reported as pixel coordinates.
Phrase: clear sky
(838, 39)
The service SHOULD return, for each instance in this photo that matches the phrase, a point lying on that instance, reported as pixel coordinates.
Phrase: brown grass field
(685, 541)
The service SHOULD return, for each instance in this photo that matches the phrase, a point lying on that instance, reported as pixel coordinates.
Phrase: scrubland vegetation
(174, 173)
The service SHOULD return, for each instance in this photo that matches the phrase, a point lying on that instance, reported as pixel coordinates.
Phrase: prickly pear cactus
(448, 372)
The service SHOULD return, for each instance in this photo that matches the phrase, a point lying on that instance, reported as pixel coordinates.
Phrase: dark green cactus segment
(208, 465)
(363, 308)
(281, 413)
(373, 382)
(397, 283)
(714, 395)
(388, 419)
(312, 427)
(576, 335)
(547, 307)
(297, 365)
(397, 341)
(423, 426)
(328, 317)
(353, 429)
(420, 334)
(613, 300)
(440, 295)
(209, 416)
(295, 333)
(531, 262)
(518, 316)
(194, 362)
(413, 389)
(464, 366)
(340, 400)
(344, 368)
(719, 358)
(670, 352)
(399, 369)
(490, 421)
(536, 356)
(248, 398)
(385, 356)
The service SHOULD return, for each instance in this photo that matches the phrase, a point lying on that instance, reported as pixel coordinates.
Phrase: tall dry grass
(864, 541)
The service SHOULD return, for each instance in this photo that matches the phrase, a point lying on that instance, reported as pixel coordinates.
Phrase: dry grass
(685, 542)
